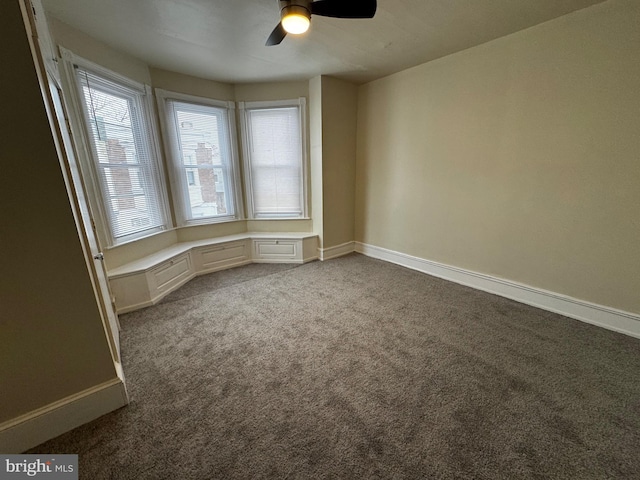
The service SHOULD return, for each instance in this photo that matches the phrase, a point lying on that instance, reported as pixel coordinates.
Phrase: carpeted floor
(356, 368)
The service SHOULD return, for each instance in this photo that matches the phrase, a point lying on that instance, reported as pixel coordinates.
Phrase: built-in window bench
(146, 281)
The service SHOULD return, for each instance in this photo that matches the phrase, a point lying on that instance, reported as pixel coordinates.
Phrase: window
(120, 144)
(274, 152)
(200, 137)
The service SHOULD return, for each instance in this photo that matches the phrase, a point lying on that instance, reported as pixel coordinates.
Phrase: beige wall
(302, 225)
(339, 111)
(517, 158)
(258, 92)
(333, 107)
(52, 341)
(177, 82)
(212, 230)
(95, 51)
(249, 92)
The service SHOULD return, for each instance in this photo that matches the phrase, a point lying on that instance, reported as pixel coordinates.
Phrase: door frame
(52, 94)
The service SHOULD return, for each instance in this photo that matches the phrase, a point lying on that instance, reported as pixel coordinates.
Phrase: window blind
(119, 130)
(275, 159)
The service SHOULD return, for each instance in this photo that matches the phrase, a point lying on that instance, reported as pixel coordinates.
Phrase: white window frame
(177, 175)
(84, 143)
(301, 104)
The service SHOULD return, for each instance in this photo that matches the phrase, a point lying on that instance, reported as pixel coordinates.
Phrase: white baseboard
(602, 316)
(134, 307)
(311, 258)
(32, 429)
(337, 251)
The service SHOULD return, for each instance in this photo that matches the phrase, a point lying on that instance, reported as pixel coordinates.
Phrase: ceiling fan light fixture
(295, 15)
(295, 19)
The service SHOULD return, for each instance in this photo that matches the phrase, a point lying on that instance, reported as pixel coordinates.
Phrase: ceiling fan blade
(344, 8)
(276, 36)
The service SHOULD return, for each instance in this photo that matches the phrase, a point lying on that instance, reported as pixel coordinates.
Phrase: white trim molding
(600, 315)
(32, 429)
(229, 158)
(336, 251)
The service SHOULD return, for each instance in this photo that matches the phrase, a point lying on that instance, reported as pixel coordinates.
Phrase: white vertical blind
(118, 127)
(275, 159)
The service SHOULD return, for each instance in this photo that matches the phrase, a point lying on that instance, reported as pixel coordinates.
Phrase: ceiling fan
(296, 14)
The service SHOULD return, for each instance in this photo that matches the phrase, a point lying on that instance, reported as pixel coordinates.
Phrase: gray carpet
(356, 368)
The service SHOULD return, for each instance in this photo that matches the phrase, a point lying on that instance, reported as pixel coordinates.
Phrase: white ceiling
(224, 39)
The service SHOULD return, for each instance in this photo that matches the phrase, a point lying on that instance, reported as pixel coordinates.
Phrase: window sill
(279, 219)
(138, 239)
(211, 221)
